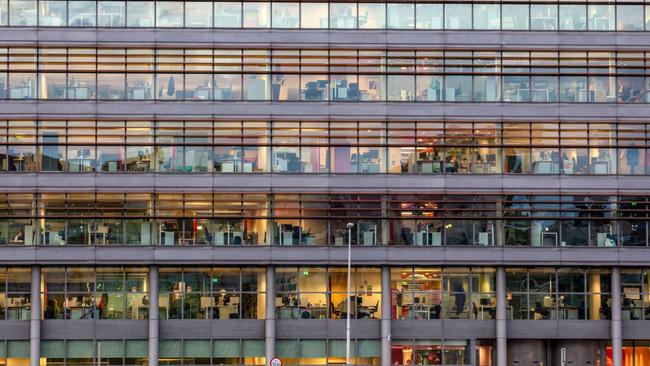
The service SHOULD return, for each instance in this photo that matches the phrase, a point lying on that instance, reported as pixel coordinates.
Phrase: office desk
(203, 93)
(480, 168)
(370, 167)
(565, 312)
(600, 167)
(140, 92)
(226, 310)
(632, 314)
(492, 310)
(187, 241)
(418, 311)
(166, 237)
(21, 92)
(78, 92)
(426, 237)
(18, 311)
(369, 237)
(303, 312)
(343, 21)
(287, 313)
(316, 312)
(82, 312)
(546, 167)
(426, 166)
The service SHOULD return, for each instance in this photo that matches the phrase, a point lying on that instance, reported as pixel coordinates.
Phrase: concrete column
(502, 336)
(35, 319)
(472, 352)
(616, 329)
(153, 316)
(269, 324)
(386, 314)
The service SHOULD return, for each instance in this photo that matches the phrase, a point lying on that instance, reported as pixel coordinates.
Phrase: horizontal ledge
(378, 255)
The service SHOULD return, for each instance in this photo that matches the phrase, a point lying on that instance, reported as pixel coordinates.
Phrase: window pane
(514, 17)
(285, 15)
(256, 15)
(629, 17)
(372, 16)
(227, 14)
(428, 16)
(198, 14)
(343, 15)
(573, 17)
(111, 13)
(169, 14)
(601, 17)
(543, 17)
(314, 15)
(458, 16)
(52, 13)
(140, 13)
(81, 13)
(400, 16)
(487, 16)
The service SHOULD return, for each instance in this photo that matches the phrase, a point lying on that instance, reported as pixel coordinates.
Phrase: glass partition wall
(321, 293)
(212, 293)
(325, 147)
(228, 218)
(94, 293)
(556, 294)
(15, 293)
(450, 293)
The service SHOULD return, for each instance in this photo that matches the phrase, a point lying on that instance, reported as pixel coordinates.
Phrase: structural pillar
(269, 324)
(616, 328)
(386, 313)
(35, 319)
(472, 352)
(502, 336)
(153, 316)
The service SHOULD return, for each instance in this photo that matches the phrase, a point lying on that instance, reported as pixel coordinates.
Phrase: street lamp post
(349, 226)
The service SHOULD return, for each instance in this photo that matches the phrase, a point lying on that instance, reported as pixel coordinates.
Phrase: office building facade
(177, 177)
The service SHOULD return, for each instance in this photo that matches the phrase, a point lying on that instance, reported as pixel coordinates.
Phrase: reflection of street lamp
(349, 226)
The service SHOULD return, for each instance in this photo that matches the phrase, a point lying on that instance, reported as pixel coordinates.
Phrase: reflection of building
(176, 178)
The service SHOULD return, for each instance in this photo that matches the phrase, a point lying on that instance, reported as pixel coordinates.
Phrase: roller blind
(52, 349)
(169, 348)
(287, 348)
(369, 348)
(196, 348)
(254, 348)
(80, 349)
(135, 349)
(337, 348)
(313, 349)
(18, 349)
(225, 348)
(111, 349)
